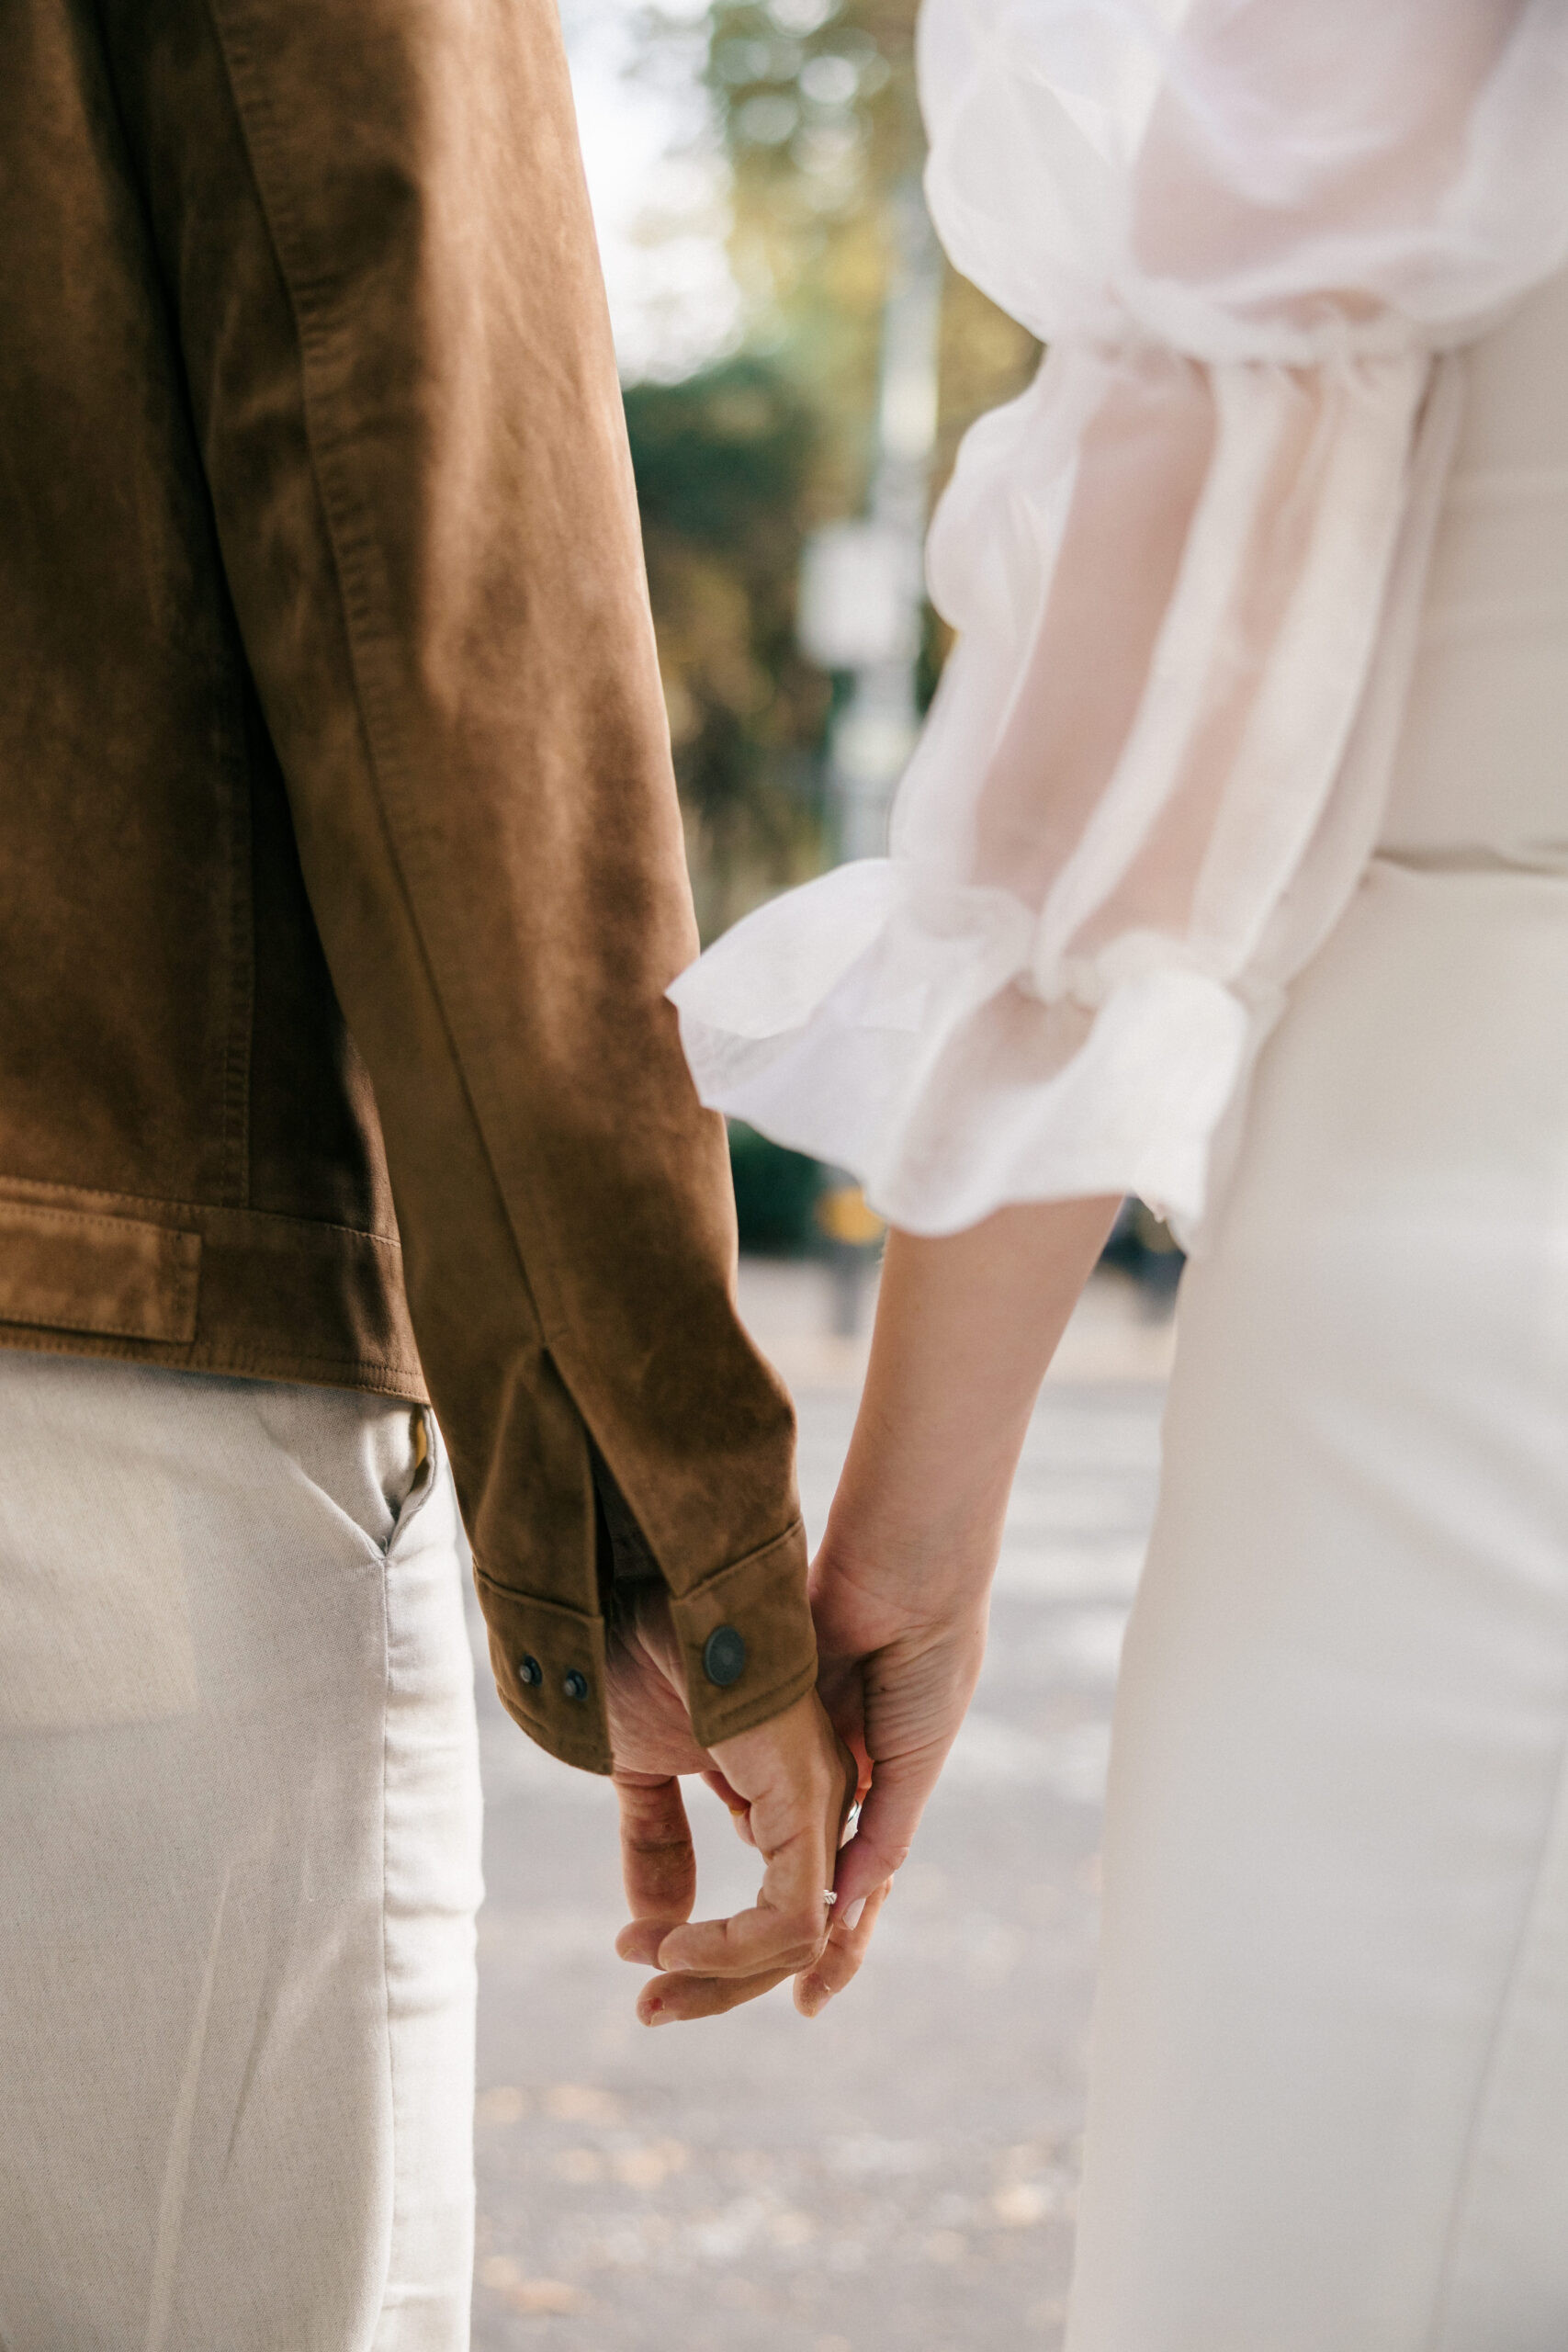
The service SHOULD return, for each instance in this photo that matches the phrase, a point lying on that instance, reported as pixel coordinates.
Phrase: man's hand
(789, 1784)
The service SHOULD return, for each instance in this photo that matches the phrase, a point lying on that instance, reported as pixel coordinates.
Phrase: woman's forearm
(966, 1327)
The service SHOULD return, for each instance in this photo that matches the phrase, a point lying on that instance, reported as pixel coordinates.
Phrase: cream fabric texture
(1328, 2103)
(1186, 568)
(1329, 2084)
(238, 1867)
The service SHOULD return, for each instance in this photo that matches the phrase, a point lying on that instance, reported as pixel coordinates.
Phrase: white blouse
(1186, 568)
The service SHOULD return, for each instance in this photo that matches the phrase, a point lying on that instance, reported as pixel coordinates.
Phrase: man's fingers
(640, 1941)
(675, 2000)
(772, 1935)
(888, 1820)
(841, 1957)
(786, 1926)
(658, 1866)
(798, 1780)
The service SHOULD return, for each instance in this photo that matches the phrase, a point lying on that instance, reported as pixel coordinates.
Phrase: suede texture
(341, 870)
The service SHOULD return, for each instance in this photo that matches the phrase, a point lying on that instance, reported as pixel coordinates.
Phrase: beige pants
(1328, 2105)
(238, 1867)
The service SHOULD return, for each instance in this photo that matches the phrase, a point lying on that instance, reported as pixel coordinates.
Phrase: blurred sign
(844, 1216)
(860, 596)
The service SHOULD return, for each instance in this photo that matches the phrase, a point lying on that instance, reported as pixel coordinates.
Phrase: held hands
(789, 1784)
(891, 1694)
(965, 1326)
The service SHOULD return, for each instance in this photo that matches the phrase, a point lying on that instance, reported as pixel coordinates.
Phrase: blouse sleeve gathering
(1184, 568)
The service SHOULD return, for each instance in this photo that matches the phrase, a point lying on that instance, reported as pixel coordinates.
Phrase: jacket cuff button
(575, 1685)
(724, 1656)
(530, 1673)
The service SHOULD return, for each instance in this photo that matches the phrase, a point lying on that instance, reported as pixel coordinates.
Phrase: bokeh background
(800, 365)
(753, 168)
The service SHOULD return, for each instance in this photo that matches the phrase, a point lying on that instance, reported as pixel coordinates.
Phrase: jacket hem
(263, 1296)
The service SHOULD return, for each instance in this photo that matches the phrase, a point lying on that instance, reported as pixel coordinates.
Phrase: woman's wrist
(880, 1570)
(965, 1329)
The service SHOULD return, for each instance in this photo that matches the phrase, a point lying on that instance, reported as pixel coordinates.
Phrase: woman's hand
(966, 1327)
(789, 1784)
(901, 1643)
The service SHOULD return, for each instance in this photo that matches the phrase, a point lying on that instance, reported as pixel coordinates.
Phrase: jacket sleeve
(376, 243)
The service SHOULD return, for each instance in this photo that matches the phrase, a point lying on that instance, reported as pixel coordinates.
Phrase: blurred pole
(862, 590)
(862, 610)
(880, 718)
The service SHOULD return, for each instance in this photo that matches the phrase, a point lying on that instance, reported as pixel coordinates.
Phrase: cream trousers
(1328, 2105)
(239, 1868)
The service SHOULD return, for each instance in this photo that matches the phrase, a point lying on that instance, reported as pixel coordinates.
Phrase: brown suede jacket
(340, 860)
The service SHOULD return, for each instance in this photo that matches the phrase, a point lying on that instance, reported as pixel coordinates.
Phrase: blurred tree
(722, 461)
(817, 105)
(820, 114)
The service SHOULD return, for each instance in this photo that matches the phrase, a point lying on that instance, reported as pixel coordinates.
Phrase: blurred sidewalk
(897, 2177)
(1118, 1333)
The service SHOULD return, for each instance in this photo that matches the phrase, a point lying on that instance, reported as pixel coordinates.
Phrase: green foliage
(817, 105)
(722, 462)
(815, 102)
(775, 1194)
(720, 458)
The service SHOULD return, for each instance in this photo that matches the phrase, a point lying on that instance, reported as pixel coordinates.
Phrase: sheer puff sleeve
(1184, 567)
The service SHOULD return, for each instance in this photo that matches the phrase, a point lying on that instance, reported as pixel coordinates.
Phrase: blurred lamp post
(862, 589)
(861, 606)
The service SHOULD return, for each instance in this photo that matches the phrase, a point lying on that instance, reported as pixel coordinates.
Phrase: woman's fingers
(840, 1956)
(658, 1867)
(889, 1816)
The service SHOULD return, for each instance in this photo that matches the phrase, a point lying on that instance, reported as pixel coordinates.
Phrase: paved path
(897, 2177)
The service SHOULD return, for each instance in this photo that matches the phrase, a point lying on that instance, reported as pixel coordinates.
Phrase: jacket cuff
(549, 1663)
(747, 1640)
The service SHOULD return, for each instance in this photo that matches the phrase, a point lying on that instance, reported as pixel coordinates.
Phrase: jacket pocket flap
(74, 1271)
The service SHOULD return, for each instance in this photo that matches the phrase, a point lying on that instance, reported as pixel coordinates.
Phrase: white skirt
(239, 1866)
(1329, 2089)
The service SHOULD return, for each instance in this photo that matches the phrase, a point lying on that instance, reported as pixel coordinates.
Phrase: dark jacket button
(724, 1656)
(575, 1685)
(531, 1672)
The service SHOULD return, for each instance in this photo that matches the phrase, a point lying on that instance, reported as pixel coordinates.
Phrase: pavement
(899, 2175)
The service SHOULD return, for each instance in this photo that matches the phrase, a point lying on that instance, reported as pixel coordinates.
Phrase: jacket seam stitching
(753, 1558)
(240, 1038)
(306, 294)
(10, 1185)
(264, 1365)
(97, 1219)
(346, 545)
(694, 1593)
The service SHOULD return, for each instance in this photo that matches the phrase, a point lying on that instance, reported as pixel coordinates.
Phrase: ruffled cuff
(892, 1028)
